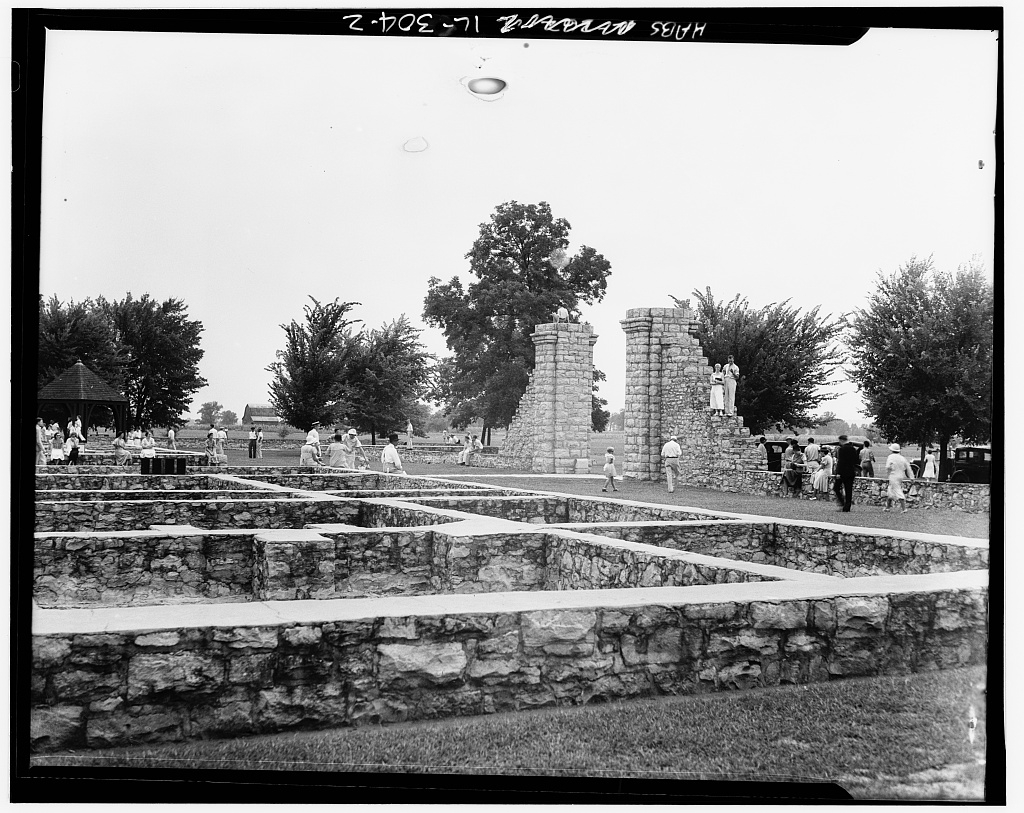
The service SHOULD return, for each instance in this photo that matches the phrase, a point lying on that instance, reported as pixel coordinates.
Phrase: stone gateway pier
(551, 431)
(668, 393)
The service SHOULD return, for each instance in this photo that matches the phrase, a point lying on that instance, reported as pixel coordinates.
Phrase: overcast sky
(244, 173)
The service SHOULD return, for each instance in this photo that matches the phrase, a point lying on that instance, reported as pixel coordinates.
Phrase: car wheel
(960, 477)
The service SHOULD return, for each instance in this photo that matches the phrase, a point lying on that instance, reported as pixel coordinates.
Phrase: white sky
(242, 173)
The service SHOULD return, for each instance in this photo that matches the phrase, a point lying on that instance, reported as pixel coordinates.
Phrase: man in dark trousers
(847, 461)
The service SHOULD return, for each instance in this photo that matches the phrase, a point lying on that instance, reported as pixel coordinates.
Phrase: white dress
(929, 467)
(717, 391)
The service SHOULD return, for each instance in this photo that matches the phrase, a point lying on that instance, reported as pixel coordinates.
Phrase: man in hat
(670, 453)
(847, 462)
(313, 437)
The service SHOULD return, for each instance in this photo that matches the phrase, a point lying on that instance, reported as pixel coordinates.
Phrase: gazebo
(80, 391)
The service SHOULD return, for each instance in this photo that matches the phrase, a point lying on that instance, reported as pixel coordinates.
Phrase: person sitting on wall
(472, 447)
(793, 473)
(309, 455)
(389, 458)
(122, 457)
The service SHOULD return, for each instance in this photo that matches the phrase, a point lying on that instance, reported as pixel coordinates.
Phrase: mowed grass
(902, 737)
(920, 520)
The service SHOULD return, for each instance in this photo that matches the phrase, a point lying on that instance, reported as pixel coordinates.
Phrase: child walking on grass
(609, 469)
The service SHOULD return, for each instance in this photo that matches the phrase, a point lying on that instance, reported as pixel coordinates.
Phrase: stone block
(560, 632)
(440, 663)
(150, 674)
(56, 727)
(782, 615)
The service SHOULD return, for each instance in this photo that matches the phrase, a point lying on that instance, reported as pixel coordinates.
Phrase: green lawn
(900, 737)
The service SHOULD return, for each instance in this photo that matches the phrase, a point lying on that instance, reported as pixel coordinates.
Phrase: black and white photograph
(508, 406)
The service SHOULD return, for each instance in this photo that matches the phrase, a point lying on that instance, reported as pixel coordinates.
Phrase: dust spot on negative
(487, 85)
(418, 144)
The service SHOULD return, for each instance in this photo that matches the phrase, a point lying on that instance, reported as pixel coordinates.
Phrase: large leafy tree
(785, 357)
(386, 375)
(308, 381)
(160, 352)
(922, 353)
(598, 414)
(71, 332)
(210, 412)
(523, 275)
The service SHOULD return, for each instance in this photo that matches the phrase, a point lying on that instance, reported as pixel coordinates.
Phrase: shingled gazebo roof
(79, 383)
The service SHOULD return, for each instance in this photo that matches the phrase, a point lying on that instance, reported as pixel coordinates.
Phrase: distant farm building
(261, 414)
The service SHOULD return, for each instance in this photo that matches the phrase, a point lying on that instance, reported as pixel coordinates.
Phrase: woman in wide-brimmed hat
(898, 469)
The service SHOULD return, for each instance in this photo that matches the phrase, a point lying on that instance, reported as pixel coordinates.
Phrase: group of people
(346, 451)
(846, 464)
(216, 445)
(723, 388)
(54, 446)
(255, 442)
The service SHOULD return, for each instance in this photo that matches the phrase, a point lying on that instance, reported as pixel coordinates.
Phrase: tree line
(921, 353)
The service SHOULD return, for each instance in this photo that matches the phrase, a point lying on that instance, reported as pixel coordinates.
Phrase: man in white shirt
(812, 455)
(389, 458)
(170, 439)
(732, 375)
(670, 453)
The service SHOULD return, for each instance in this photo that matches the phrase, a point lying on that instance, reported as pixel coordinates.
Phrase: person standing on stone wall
(847, 461)
(732, 375)
(670, 454)
(170, 440)
(717, 391)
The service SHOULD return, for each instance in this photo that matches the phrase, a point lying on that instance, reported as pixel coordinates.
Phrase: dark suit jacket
(847, 459)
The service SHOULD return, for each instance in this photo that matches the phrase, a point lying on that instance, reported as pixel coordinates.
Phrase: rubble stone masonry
(668, 392)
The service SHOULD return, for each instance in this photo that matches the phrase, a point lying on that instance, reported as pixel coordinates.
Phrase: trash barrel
(180, 465)
(146, 464)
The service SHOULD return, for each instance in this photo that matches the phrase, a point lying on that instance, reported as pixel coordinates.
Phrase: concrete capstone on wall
(668, 392)
(551, 431)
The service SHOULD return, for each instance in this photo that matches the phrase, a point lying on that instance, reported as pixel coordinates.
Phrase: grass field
(884, 738)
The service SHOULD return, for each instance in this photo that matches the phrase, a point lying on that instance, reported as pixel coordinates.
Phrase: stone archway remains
(668, 392)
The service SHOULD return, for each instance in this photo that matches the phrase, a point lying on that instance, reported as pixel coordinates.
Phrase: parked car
(972, 464)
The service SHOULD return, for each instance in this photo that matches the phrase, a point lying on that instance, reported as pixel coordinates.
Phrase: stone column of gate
(563, 378)
(642, 447)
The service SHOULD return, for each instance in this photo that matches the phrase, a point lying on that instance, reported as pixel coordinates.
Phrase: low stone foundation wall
(125, 515)
(111, 678)
(579, 563)
(76, 481)
(969, 497)
(143, 567)
(815, 548)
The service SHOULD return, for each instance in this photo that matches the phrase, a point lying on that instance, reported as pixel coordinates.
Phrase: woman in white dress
(897, 467)
(930, 469)
(717, 391)
(819, 480)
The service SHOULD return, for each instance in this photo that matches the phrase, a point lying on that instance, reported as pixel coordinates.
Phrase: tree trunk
(920, 471)
(944, 466)
(373, 437)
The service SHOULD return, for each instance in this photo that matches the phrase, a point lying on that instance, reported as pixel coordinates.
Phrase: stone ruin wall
(668, 392)
(551, 431)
